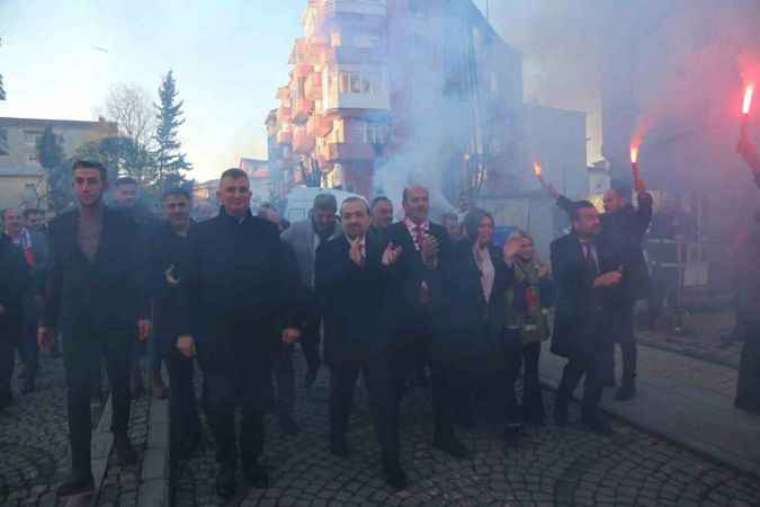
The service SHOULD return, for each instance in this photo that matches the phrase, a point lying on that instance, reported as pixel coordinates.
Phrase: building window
(31, 137)
(4, 150)
(354, 82)
(375, 133)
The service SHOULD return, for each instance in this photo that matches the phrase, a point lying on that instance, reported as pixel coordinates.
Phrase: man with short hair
(451, 222)
(33, 244)
(34, 219)
(126, 197)
(351, 279)
(382, 214)
(304, 238)
(415, 290)
(587, 272)
(16, 280)
(170, 253)
(239, 294)
(96, 298)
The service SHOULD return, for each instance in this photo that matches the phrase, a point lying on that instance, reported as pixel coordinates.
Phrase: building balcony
(302, 70)
(303, 143)
(361, 7)
(284, 114)
(302, 109)
(313, 86)
(352, 55)
(285, 136)
(337, 152)
(319, 125)
(375, 101)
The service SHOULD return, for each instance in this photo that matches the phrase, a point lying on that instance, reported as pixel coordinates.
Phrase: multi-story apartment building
(22, 179)
(398, 86)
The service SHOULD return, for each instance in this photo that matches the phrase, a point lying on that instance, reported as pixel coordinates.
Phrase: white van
(299, 201)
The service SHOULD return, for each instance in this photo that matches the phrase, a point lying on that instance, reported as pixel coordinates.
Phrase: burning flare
(537, 169)
(748, 99)
(634, 154)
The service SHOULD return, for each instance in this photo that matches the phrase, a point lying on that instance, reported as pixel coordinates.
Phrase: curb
(154, 483)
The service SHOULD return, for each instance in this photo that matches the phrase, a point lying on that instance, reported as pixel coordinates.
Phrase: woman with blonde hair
(528, 301)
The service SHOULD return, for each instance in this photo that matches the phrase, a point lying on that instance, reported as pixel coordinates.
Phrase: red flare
(747, 103)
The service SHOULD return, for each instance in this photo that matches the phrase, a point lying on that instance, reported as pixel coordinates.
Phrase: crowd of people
(404, 304)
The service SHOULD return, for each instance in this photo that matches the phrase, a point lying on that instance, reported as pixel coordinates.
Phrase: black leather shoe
(394, 474)
(124, 450)
(226, 484)
(76, 485)
(257, 476)
(597, 424)
(451, 446)
(339, 448)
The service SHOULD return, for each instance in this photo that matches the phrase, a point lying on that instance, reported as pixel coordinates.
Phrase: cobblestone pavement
(34, 440)
(121, 484)
(548, 466)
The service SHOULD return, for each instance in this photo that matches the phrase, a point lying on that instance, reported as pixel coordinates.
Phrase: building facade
(382, 92)
(22, 179)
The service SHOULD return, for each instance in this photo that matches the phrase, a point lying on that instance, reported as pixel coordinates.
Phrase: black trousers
(623, 334)
(748, 383)
(593, 363)
(533, 401)
(28, 348)
(383, 405)
(10, 335)
(284, 375)
(310, 341)
(183, 411)
(83, 352)
(236, 374)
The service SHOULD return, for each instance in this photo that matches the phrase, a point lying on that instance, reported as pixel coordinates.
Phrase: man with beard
(170, 253)
(624, 226)
(382, 215)
(589, 280)
(33, 244)
(95, 296)
(351, 278)
(237, 291)
(415, 289)
(304, 238)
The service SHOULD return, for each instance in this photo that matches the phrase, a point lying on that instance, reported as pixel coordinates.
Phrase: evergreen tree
(169, 158)
(51, 157)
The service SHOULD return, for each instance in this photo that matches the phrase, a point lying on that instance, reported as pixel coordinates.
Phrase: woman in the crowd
(473, 317)
(528, 301)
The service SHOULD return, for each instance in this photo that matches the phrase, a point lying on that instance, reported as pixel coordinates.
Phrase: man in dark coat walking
(351, 278)
(415, 289)
(237, 297)
(96, 298)
(15, 281)
(588, 277)
(169, 255)
(623, 226)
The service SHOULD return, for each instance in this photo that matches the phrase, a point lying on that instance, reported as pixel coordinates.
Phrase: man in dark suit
(15, 281)
(588, 277)
(238, 294)
(624, 226)
(415, 289)
(95, 296)
(170, 253)
(33, 244)
(351, 277)
(382, 215)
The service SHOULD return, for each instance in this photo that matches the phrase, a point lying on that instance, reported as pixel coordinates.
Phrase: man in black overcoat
(237, 296)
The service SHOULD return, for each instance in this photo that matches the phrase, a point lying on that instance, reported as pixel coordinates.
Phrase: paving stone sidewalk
(548, 466)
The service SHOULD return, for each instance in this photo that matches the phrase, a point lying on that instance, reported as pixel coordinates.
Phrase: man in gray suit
(34, 246)
(304, 238)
